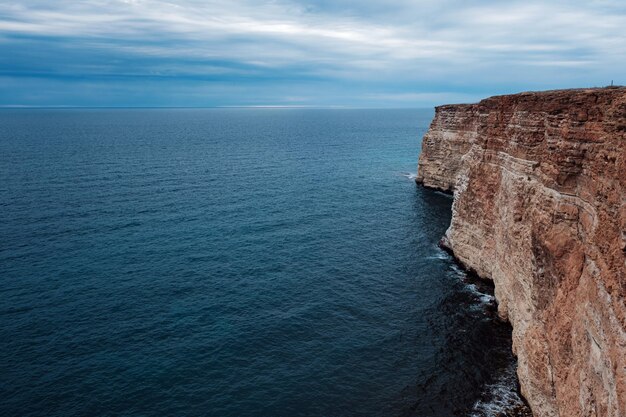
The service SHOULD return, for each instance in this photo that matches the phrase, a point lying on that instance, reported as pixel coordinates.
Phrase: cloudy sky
(353, 53)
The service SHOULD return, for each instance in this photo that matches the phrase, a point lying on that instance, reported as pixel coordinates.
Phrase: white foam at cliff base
(499, 397)
(440, 255)
(487, 299)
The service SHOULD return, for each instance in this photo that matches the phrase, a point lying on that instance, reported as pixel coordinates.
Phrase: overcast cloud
(302, 53)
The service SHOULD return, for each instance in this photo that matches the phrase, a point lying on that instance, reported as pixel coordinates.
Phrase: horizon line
(68, 107)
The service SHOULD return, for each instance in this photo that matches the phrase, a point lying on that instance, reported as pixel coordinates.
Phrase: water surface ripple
(231, 263)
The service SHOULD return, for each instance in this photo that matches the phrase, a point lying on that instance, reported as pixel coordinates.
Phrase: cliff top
(547, 95)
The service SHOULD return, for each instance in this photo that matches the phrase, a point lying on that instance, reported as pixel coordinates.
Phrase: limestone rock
(539, 182)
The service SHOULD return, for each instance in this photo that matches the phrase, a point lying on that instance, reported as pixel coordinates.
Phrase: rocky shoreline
(505, 398)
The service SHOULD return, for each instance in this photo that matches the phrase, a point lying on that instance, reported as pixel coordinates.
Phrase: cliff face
(539, 183)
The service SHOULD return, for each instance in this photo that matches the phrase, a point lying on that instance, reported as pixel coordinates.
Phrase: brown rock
(540, 208)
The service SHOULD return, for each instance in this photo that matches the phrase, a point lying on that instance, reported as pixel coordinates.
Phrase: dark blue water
(232, 263)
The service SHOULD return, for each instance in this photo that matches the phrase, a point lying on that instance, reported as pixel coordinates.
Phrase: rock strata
(539, 182)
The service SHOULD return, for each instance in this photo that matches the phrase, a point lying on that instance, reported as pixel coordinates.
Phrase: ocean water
(234, 262)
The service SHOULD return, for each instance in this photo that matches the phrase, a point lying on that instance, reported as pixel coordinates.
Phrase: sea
(235, 262)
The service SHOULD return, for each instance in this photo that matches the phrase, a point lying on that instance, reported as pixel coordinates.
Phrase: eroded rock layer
(539, 183)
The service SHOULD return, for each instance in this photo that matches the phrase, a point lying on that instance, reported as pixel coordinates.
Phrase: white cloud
(376, 41)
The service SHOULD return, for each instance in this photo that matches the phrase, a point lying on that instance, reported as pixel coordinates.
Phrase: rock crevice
(539, 183)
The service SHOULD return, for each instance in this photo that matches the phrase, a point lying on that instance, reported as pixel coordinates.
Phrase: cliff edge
(539, 182)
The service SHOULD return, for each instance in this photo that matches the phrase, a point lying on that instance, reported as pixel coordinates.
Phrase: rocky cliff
(539, 182)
